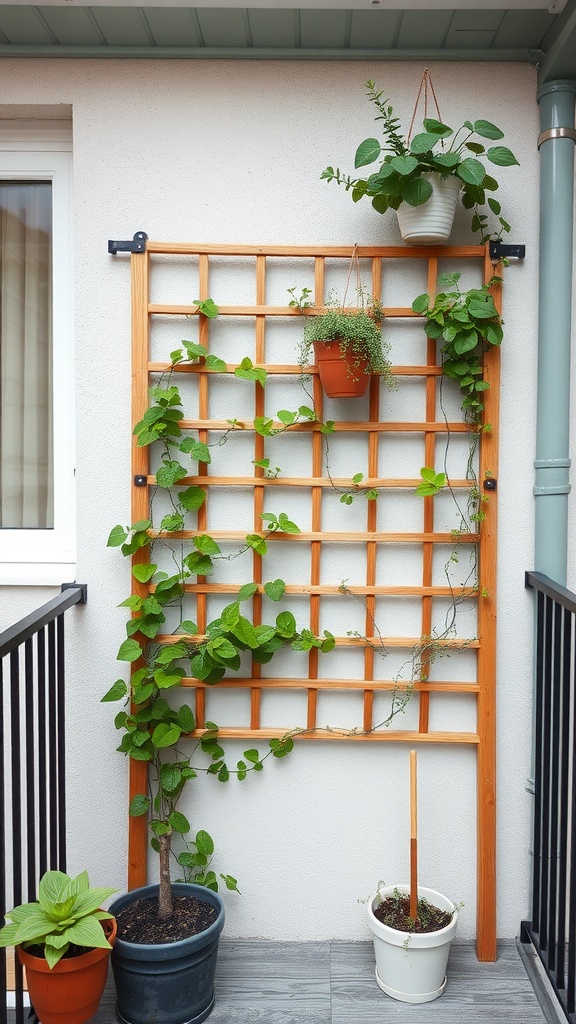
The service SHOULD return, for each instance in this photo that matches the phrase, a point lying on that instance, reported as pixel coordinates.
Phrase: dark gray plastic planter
(169, 983)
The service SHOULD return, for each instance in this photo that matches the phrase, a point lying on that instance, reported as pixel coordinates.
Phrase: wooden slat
(262, 310)
(287, 369)
(259, 491)
(486, 777)
(274, 683)
(304, 481)
(348, 735)
(202, 479)
(138, 780)
(402, 642)
(428, 504)
(342, 427)
(333, 537)
(323, 588)
(342, 252)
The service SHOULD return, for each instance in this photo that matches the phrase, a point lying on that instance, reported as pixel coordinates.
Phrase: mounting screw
(140, 481)
(490, 484)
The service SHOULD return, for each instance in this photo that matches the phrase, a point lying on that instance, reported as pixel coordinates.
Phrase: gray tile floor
(261, 982)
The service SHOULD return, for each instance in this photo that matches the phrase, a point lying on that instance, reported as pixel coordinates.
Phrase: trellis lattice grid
(375, 565)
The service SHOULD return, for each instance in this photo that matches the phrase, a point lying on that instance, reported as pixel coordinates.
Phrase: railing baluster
(571, 966)
(42, 750)
(3, 894)
(52, 763)
(30, 770)
(32, 763)
(563, 794)
(555, 705)
(16, 792)
(545, 779)
(538, 714)
(60, 739)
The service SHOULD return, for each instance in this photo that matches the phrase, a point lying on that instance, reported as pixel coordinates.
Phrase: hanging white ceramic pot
(411, 966)
(431, 223)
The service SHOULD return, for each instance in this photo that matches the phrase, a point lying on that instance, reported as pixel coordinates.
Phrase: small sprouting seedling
(207, 307)
(300, 301)
(348, 496)
(196, 860)
(269, 472)
(247, 371)
(432, 482)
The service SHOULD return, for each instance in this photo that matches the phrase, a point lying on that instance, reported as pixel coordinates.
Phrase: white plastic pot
(431, 223)
(411, 966)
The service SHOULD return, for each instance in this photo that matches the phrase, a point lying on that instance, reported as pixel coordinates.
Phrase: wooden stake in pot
(413, 837)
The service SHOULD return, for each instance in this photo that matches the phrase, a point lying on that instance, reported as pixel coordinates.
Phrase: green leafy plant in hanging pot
(468, 324)
(439, 159)
(348, 348)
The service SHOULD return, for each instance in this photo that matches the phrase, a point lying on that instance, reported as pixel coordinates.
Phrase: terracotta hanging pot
(343, 374)
(70, 992)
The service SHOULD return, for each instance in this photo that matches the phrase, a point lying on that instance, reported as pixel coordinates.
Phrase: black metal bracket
(140, 481)
(74, 586)
(501, 251)
(138, 244)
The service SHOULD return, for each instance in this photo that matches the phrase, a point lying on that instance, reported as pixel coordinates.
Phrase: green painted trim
(266, 53)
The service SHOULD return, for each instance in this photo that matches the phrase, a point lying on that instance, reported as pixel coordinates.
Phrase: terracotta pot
(70, 992)
(343, 374)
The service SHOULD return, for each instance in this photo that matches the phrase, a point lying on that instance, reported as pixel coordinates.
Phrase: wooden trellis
(146, 315)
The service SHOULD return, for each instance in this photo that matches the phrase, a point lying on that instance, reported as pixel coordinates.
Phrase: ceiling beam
(268, 53)
(560, 60)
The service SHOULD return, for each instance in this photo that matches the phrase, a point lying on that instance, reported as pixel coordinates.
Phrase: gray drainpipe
(551, 489)
(552, 464)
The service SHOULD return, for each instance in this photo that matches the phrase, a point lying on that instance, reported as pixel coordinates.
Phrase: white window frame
(42, 151)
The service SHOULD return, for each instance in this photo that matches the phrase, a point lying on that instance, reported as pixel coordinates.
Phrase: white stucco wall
(232, 152)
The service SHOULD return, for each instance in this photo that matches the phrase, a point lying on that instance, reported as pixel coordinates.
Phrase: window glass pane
(26, 471)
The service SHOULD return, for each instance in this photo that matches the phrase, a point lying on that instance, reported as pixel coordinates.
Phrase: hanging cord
(425, 83)
(354, 262)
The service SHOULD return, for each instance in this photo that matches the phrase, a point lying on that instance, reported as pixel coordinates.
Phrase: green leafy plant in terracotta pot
(64, 940)
(178, 923)
(438, 163)
(468, 323)
(348, 348)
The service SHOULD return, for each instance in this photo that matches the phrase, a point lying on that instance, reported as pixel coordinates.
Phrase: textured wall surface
(232, 152)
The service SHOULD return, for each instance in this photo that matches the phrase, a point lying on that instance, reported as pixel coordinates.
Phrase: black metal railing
(552, 929)
(32, 761)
